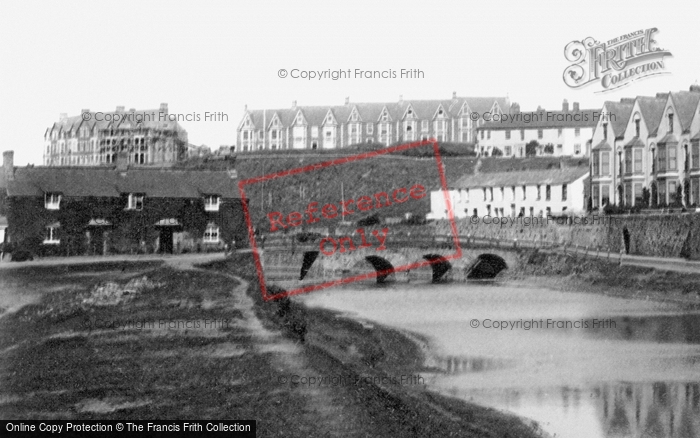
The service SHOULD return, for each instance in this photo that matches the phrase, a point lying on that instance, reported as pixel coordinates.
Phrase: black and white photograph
(350, 219)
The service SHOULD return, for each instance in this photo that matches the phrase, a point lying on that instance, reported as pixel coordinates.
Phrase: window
(548, 193)
(577, 132)
(51, 237)
(211, 234)
(491, 194)
(245, 135)
(522, 134)
(636, 127)
(211, 203)
(524, 193)
(424, 125)
(507, 150)
(628, 161)
(577, 148)
(672, 158)
(564, 190)
(513, 192)
(540, 133)
(482, 134)
(314, 131)
(695, 199)
(605, 131)
(559, 132)
(638, 161)
(662, 192)
(273, 134)
(605, 198)
(52, 201)
(370, 128)
(488, 134)
(605, 163)
(539, 192)
(662, 158)
(638, 194)
(670, 123)
(695, 163)
(135, 201)
(507, 134)
(595, 192)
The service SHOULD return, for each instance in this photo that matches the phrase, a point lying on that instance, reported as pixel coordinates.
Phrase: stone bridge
(308, 262)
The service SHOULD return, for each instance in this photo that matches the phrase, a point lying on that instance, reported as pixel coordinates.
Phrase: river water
(581, 365)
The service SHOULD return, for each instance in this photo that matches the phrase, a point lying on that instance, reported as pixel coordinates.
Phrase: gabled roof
(621, 112)
(602, 145)
(149, 119)
(529, 177)
(482, 104)
(109, 182)
(685, 102)
(652, 111)
(635, 142)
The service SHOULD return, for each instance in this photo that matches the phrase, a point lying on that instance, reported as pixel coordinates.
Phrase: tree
(496, 152)
(678, 198)
(654, 195)
(531, 148)
(589, 205)
(549, 149)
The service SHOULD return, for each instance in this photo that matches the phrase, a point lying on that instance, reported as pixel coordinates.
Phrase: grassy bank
(584, 274)
(368, 356)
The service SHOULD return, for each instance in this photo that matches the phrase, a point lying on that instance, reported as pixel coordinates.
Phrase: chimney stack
(695, 88)
(627, 100)
(454, 95)
(132, 110)
(83, 111)
(347, 101)
(515, 108)
(62, 116)
(164, 108)
(8, 165)
(576, 107)
(400, 98)
(294, 104)
(122, 161)
(120, 109)
(565, 106)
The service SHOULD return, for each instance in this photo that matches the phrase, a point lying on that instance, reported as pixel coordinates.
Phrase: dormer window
(52, 201)
(212, 202)
(211, 234)
(670, 123)
(440, 112)
(353, 117)
(605, 131)
(385, 117)
(636, 127)
(135, 201)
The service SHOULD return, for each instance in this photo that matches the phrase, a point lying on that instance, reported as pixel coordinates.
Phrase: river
(581, 365)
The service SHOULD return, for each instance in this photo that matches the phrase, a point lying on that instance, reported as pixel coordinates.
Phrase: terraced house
(333, 127)
(566, 132)
(649, 155)
(119, 209)
(148, 137)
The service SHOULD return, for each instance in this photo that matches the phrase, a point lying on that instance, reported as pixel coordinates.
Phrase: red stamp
(337, 227)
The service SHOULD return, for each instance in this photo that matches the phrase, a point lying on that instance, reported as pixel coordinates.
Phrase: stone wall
(667, 235)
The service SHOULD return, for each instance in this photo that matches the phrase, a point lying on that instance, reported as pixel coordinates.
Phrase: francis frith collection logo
(614, 63)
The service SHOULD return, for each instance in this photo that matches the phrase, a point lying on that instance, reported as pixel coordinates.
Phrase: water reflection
(636, 374)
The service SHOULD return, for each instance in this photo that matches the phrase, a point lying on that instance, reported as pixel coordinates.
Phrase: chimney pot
(63, 116)
(8, 165)
(565, 106)
(84, 111)
(294, 104)
(164, 108)
(132, 110)
(347, 101)
(120, 109)
(576, 107)
(454, 95)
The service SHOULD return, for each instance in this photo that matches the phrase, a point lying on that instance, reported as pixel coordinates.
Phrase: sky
(218, 56)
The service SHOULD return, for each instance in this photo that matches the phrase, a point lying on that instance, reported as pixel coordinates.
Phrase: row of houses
(650, 153)
(121, 209)
(333, 127)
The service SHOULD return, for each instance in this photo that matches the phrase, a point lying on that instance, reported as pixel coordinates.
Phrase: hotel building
(148, 137)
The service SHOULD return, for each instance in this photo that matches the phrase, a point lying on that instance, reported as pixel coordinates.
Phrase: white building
(557, 133)
(520, 193)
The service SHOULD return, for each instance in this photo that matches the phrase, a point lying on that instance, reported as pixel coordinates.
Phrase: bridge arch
(383, 267)
(486, 266)
(439, 264)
